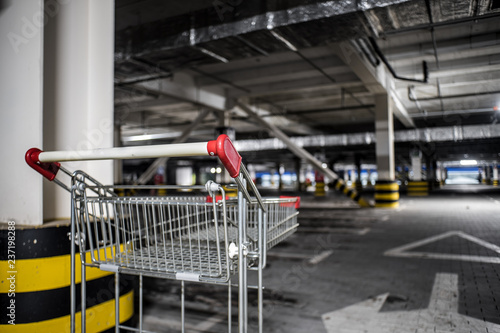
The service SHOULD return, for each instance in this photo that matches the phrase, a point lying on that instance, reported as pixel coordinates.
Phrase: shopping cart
(205, 238)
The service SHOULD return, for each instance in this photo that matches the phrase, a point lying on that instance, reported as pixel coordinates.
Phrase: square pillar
(417, 187)
(386, 188)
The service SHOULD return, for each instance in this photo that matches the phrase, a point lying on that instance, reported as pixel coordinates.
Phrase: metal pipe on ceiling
(434, 134)
(412, 97)
(451, 112)
(425, 69)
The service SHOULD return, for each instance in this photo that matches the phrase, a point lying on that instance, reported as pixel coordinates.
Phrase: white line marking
(440, 316)
(355, 231)
(401, 251)
(313, 260)
(320, 257)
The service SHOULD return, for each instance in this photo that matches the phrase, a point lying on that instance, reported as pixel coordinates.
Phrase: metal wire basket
(202, 238)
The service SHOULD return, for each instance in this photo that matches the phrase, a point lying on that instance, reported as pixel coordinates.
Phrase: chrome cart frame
(200, 238)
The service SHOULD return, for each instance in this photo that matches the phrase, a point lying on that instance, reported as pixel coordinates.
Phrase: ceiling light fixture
(284, 41)
(468, 162)
(212, 54)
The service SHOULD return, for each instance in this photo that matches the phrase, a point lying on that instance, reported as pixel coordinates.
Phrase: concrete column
(489, 175)
(438, 173)
(78, 90)
(384, 133)
(386, 188)
(21, 52)
(184, 175)
(418, 186)
(495, 175)
(483, 175)
(416, 165)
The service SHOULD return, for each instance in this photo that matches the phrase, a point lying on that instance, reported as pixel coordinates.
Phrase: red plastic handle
(228, 155)
(48, 170)
(289, 204)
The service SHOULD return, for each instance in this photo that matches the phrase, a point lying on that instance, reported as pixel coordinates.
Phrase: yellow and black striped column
(319, 179)
(319, 190)
(386, 194)
(341, 187)
(40, 280)
(418, 188)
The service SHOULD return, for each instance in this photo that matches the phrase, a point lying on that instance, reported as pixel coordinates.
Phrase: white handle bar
(47, 163)
(176, 150)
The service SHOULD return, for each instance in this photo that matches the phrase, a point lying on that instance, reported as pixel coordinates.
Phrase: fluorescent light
(284, 41)
(468, 162)
(212, 54)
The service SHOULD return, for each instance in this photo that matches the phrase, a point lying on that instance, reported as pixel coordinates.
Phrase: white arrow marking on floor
(404, 251)
(441, 316)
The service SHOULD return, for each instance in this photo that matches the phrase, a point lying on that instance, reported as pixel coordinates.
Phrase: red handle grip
(48, 170)
(228, 155)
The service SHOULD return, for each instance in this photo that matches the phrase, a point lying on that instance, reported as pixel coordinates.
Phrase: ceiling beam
(146, 104)
(285, 86)
(376, 79)
(182, 87)
(242, 76)
(465, 58)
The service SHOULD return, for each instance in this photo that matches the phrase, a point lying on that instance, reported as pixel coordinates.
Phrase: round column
(386, 194)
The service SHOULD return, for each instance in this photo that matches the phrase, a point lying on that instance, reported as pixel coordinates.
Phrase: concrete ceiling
(175, 59)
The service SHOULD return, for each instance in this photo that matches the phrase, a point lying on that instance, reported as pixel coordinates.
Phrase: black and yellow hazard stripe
(358, 185)
(386, 194)
(418, 188)
(42, 284)
(340, 186)
(319, 190)
(231, 191)
(495, 182)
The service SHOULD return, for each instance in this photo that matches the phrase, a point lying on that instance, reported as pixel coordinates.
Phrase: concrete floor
(433, 265)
